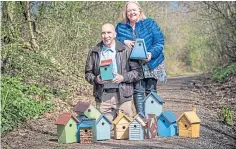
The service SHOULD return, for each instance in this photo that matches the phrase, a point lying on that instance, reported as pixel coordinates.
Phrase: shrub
(220, 74)
(21, 101)
(226, 115)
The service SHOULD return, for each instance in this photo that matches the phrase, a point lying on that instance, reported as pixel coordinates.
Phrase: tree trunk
(32, 40)
(9, 12)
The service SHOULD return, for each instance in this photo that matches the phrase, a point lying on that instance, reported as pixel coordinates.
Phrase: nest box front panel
(106, 72)
(139, 51)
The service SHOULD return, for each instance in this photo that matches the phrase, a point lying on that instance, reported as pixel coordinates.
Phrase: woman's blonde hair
(124, 17)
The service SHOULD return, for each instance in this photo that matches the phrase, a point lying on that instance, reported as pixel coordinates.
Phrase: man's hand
(118, 78)
(129, 43)
(99, 80)
(149, 57)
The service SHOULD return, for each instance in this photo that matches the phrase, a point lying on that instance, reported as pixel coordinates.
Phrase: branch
(226, 18)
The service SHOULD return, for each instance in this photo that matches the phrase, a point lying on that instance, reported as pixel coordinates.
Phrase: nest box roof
(64, 118)
(82, 107)
(106, 62)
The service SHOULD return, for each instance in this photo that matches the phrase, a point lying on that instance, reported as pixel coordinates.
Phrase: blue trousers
(141, 89)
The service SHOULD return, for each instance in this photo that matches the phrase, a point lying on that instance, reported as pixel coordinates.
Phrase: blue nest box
(166, 123)
(139, 50)
(106, 70)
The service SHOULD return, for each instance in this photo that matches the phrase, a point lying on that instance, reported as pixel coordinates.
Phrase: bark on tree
(9, 13)
(33, 43)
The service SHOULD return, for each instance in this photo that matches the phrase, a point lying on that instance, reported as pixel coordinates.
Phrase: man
(115, 94)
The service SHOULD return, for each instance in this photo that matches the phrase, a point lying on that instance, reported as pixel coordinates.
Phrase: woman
(135, 25)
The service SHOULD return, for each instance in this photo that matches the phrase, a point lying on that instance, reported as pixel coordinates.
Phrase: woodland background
(44, 46)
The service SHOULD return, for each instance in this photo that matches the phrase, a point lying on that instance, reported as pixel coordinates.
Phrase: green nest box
(106, 70)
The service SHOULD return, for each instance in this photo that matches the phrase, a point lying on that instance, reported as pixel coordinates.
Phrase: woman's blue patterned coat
(148, 30)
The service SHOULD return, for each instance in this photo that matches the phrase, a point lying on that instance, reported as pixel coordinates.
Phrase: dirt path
(41, 133)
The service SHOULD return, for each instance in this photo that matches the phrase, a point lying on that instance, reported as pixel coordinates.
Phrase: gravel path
(177, 93)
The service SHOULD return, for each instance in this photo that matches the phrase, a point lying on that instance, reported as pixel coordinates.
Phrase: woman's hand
(129, 43)
(149, 54)
(163, 77)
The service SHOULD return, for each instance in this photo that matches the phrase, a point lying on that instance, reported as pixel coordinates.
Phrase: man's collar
(112, 47)
(118, 46)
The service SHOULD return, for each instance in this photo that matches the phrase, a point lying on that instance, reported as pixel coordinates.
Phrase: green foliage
(199, 56)
(29, 63)
(226, 115)
(21, 101)
(29, 81)
(35, 66)
(120, 4)
(174, 65)
(220, 74)
(189, 54)
(60, 147)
